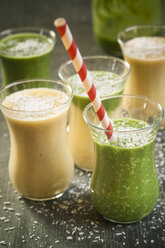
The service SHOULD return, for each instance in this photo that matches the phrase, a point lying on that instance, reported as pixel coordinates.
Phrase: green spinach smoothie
(124, 182)
(25, 55)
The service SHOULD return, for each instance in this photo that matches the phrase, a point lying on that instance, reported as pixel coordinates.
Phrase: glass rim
(29, 30)
(138, 27)
(17, 83)
(25, 29)
(123, 62)
(149, 126)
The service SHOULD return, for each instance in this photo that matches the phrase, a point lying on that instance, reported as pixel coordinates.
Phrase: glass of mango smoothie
(124, 183)
(109, 75)
(40, 163)
(143, 48)
(26, 53)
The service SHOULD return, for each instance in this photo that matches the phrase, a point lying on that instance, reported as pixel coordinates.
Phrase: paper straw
(81, 69)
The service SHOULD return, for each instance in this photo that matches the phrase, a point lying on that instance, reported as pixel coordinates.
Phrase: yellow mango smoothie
(40, 165)
(146, 56)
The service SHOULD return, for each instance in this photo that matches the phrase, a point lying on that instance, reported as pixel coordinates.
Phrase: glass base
(121, 222)
(43, 199)
(83, 169)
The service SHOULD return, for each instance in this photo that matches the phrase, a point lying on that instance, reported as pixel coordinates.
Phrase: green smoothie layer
(124, 182)
(106, 83)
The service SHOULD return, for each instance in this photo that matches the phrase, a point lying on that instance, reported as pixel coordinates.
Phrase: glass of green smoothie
(124, 185)
(109, 75)
(26, 53)
(111, 16)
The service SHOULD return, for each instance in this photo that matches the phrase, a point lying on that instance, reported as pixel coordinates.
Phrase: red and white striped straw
(81, 69)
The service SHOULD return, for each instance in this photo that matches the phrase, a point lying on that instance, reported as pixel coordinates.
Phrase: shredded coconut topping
(145, 47)
(35, 100)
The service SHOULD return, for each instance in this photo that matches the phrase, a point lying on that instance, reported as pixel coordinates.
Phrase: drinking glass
(40, 163)
(143, 47)
(26, 53)
(109, 75)
(124, 185)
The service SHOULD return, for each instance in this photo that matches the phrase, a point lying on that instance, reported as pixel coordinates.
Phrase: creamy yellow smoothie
(146, 56)
(40, 165)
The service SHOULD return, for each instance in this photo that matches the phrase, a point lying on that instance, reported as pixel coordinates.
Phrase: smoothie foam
(25, 45)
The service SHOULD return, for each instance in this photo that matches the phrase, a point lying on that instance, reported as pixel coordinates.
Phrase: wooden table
(70, 221)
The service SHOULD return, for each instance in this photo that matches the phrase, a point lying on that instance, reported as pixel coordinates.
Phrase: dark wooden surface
(70, 221)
